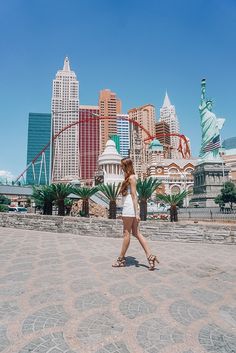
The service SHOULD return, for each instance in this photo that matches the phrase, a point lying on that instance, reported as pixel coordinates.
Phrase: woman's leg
(127, 227)
(140, 237)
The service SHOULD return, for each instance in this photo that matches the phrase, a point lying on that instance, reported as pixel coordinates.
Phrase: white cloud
(6, 175)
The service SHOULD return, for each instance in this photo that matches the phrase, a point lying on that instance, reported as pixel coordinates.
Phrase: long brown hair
(128, 169)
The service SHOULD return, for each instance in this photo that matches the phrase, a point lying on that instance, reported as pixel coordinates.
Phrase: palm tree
(85, 193)
(111, 191)
(173, 201)
(44, 198)
(60, 193)
(145, 189)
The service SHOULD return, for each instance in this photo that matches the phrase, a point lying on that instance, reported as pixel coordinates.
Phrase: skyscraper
(65, 111)
(163, 132)
(168, 114)
(123, 131)
(109, 106)
(39, 134)
(145, 116)
(89, 138)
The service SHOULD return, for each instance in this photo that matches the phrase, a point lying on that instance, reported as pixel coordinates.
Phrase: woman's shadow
(132, 261)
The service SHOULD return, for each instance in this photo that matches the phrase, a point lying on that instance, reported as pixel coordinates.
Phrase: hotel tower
(65, 111)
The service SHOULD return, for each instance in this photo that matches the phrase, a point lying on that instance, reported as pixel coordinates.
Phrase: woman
(130, 216)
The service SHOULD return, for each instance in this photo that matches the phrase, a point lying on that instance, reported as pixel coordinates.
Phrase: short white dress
(128, 205)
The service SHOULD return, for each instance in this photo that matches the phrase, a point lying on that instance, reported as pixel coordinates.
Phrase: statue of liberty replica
(210, 172)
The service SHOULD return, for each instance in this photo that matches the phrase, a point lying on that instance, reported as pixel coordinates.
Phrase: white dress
(128, 205)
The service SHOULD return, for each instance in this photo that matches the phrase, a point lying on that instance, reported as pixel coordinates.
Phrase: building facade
(123, 131)
(163, 135)
(89, 142)
(174, 174)
(168, 115)
(229, 156)
(109, 106)
(39, 135)
(65, 111)
(109, 164)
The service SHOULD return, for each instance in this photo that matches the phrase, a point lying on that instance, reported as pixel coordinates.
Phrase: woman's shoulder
(132, 177)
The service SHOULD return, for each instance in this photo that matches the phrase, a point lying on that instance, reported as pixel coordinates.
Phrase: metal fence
(207, 213)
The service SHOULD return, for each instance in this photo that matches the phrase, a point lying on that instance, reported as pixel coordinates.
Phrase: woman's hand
(137, 218)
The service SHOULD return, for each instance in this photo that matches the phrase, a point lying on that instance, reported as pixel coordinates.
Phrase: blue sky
(137, 48)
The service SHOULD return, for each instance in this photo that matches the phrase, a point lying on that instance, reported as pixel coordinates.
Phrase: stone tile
(4, 342)
(136, 306)
(229, 314)
(8, 309)
(123, 288)
(47, 296)
(98, 326)
(115, 347)
(216, 340)
(53, 343)
(155, 334)
(84, 284)
(185, 313)
(90, 301)
(51, 316)
(205, 296)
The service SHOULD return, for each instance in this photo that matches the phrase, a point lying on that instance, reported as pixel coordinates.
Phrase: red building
(89, 142)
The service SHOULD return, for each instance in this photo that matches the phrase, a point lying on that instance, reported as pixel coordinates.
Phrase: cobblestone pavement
(59, 294)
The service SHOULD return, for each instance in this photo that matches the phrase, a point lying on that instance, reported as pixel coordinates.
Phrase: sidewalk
(59, 294)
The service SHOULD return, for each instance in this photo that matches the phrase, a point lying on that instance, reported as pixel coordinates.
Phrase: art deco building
(89, 142)
(109, 106)
(65, 111)
(163, 135)
(168, 115)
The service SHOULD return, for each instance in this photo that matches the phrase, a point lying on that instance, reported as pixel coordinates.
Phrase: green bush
(3, 208)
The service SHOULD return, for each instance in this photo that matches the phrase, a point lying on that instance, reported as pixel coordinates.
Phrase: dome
(155, 145)
(110, 154)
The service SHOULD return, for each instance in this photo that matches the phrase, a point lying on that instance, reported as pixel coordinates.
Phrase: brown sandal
(151, 259)
(120, 262)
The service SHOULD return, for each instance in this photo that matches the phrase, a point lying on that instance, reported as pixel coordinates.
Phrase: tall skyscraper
(123, 131)
(109, 106)
(65, 111)
(89, 142)
(39, 134)
(145, 116)
(168, 114)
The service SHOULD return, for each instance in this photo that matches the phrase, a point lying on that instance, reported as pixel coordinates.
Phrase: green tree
(4, 200)
(173, 200)
(43, 197)
(60, 193)
(85, 193)
(228, 193)
(145, 189)
(111, 191)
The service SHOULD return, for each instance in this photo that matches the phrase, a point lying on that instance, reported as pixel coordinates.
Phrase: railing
(213, 214)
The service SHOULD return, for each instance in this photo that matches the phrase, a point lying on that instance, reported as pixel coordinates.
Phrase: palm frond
(111, 191)
(174, 199)
(84, 193)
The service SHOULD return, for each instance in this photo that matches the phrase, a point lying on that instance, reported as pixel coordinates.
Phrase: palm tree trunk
(85, 207)
(112, 209)
(173, 213)
(47, 208)
(143, 210)
(61, 207)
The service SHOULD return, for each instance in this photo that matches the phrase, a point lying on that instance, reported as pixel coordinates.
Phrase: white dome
(110, 154)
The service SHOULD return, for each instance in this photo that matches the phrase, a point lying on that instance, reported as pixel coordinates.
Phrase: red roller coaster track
(185, 153)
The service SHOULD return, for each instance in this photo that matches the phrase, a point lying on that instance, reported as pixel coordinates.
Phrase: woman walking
(130, 216)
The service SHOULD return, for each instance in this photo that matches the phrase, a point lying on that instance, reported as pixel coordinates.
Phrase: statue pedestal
(209, 177)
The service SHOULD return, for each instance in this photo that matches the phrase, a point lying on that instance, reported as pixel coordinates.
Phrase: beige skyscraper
(145, 116)
(110, 106)
(65, 111)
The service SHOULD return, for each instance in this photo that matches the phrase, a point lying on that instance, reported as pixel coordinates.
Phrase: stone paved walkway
(59, 294)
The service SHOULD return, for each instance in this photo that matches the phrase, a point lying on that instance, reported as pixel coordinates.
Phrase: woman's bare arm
(133, 192)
